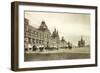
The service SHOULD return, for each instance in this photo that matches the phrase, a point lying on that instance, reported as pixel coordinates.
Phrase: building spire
(55, 33)
(62, 38)
(81, 38)
(55, 30)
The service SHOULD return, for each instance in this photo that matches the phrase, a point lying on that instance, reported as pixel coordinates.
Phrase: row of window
(35, 41)
(37, 34)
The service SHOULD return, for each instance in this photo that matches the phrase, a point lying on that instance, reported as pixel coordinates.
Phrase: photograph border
(15, 34)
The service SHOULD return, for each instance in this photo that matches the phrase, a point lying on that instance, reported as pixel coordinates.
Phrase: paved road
(55, 56)
(75, 53)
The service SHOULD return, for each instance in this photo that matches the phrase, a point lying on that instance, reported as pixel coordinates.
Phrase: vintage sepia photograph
(52, 36)
(56, 36)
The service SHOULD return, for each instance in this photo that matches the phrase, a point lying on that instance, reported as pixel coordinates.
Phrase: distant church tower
(81, 43)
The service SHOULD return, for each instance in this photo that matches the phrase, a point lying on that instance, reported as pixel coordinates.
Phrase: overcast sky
(71, 26)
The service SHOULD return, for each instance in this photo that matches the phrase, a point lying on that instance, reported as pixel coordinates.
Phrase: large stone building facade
(41, 37)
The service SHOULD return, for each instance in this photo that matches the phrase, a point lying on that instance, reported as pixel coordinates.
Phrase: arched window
(36, 40)
(29, 40)
(33, 40)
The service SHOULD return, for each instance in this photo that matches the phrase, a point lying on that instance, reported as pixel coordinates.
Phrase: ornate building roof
(43, 26)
